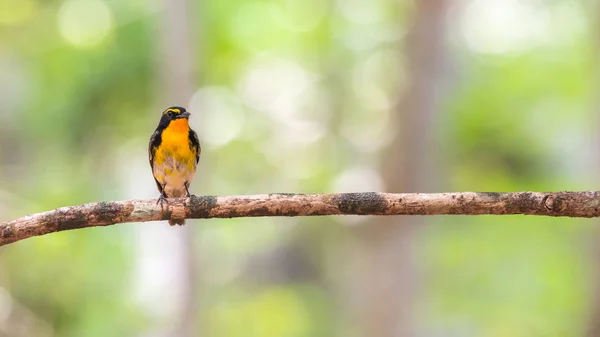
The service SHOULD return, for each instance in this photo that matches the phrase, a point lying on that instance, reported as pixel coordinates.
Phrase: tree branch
(569, 204)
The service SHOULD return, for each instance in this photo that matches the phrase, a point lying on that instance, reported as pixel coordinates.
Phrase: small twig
(570, 204)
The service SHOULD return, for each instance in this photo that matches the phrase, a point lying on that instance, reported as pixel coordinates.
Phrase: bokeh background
(309, 96)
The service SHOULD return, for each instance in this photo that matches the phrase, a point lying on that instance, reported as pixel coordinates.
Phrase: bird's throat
(180, 125)
(176, 134)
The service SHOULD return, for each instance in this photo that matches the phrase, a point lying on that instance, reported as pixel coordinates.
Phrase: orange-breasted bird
(174, 152)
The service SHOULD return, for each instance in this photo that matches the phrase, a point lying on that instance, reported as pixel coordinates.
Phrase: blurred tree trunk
(388, 277)
(178, 63)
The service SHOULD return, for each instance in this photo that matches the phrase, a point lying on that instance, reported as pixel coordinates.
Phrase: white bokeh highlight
(218, 116)
(85, 23)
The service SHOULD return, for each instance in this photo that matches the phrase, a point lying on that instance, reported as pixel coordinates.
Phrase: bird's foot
(187, 191)
(161, 199)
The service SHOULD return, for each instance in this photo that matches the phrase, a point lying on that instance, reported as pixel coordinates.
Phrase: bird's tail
(179, 222)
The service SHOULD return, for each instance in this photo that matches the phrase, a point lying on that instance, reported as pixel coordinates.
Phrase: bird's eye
(170, 114)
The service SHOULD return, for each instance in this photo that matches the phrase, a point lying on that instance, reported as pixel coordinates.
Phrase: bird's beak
(184, 115)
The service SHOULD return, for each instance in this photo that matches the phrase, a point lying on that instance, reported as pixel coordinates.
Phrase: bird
(174, 152)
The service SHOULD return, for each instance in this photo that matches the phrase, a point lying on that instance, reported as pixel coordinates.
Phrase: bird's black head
(173, 113)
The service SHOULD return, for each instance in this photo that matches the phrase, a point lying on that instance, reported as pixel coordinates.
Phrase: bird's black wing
(195, 144)
(155, 141)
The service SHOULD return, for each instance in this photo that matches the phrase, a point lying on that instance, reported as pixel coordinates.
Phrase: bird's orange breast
(175, 143)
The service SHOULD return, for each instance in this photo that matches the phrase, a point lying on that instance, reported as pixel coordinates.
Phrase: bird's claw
(160, 200)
